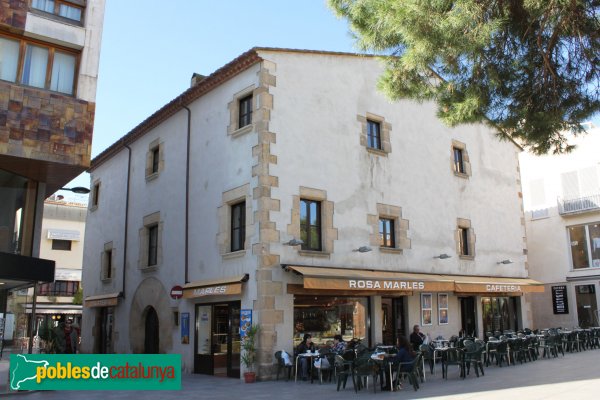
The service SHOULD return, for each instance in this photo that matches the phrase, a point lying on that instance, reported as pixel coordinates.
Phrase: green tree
(529, 68)
(78, 296)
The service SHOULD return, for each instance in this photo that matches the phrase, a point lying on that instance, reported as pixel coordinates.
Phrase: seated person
(405, 356)
(339, 346)
(305, 345)
(416, 338)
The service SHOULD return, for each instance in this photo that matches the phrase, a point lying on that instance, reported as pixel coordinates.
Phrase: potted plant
(249, 353)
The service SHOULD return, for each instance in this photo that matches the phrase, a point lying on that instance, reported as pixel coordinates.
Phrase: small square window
(245, 111)
(459, 165)
(238, 226)
(152, 245)
(387, 233)
(64, 245)
(373, 134)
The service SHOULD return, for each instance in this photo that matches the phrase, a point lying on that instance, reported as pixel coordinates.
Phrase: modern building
(562, 204)
(402, 220)
(49, 52)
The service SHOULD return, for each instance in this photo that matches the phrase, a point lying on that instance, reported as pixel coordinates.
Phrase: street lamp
(77, 190)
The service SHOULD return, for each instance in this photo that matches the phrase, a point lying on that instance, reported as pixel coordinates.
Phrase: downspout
(187, 189)
(126, 219)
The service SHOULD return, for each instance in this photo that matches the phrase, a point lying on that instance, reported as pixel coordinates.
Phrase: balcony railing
(579, 205)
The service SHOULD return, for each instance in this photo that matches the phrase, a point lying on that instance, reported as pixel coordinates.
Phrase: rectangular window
(9, 59)
(245, 114)
(374, 134)
(60, 8)
(152, 245)
(70, 12)
(58, 244)
(310, 224)
(463, 236)
(585, 245)
(43, 5)
(108, 264)
(459, 165)
(95, 194)
(238, 226)
(386, 233)
(426, 308)
(443, 308)
(37, 65)
(155, 159)
(59, 288)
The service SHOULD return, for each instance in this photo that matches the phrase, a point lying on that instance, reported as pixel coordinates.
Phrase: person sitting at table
(305, 346)
(404, 356)
(417, 338)
(339, 346)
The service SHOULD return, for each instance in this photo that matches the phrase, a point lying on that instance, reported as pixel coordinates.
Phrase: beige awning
(492, 284)
(215, 287)
(348, 279)
(102, 300)
(375, 280)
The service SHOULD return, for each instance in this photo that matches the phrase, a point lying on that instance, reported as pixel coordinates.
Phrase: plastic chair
(453, 356)
(364, 368)
(342, 369)
(474, 358)
(412, 373)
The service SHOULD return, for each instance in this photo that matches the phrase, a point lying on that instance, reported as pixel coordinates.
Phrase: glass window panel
(63, 72)
(315, 240)
(303, 212)
(314, 213)
(70, 12)
(44, 5)
(579, 254)
(9, 59)
(594, 230)
(34, 66)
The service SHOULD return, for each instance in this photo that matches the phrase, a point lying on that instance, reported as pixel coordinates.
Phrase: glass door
(585, 295)
(203, 361)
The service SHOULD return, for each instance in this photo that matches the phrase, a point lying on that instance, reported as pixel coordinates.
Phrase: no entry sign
(176, 292)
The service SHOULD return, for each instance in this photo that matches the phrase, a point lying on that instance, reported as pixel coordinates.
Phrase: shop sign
(385, 285)
(560, 302)
(110, 302)
(376, 284)
(503, 288)
(220, 290)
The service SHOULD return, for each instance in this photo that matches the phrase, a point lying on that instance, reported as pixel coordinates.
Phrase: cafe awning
(349, 279)
(102, 300)
(492, 284)
(215, 287)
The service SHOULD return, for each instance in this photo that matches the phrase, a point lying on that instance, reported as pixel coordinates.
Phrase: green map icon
(23, 369)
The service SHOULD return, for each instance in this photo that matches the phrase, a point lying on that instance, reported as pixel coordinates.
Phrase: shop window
(58, 244)
(426, 308)
(325, 316)
(499, 314)
(442, 308)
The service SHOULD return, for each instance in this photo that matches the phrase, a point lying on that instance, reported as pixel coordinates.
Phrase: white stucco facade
(571, 181)
(304, 142)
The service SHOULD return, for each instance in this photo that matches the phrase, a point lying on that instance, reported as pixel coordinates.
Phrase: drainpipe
(126, 218)
(187, 189)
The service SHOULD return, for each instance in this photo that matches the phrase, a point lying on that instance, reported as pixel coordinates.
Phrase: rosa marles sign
(383, 285)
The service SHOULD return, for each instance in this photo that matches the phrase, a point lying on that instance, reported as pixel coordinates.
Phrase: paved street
(576, 376)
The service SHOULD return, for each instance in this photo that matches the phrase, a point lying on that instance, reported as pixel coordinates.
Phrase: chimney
(196, 79)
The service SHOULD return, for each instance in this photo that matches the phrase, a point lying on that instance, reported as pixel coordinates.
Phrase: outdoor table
(437, 350)
(311, 357)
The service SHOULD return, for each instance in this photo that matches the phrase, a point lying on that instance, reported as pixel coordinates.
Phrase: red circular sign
(176, 292)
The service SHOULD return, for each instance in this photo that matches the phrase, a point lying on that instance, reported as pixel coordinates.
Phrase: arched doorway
(151, 336)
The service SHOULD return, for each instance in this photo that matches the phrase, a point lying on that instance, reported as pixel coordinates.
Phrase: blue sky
(150, 49)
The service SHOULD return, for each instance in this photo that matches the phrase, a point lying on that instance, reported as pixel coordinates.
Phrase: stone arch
(150, 293)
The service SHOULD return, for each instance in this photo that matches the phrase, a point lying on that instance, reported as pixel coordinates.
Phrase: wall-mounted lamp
(77, 189)
(363, 249)
(294, 242)
(443, 256)
(507, 261)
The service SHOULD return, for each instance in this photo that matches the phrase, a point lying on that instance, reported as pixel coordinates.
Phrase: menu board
(560, 302)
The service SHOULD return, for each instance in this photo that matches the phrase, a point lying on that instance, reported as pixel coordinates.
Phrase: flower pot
(250, 377)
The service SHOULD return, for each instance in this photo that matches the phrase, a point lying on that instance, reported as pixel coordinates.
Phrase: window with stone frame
(465, 239)
(154, 159)
(310, 224)
(245, 111)
(241, 111)
(151, 242)
(238, 226)
(375, 133)
(32, 63)
(387, 233)
(107, 262)
(95, 195)
(461, 165)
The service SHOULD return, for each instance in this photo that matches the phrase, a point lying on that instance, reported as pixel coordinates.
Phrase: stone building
(562, 205)
(402, 220)
(49, 52)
